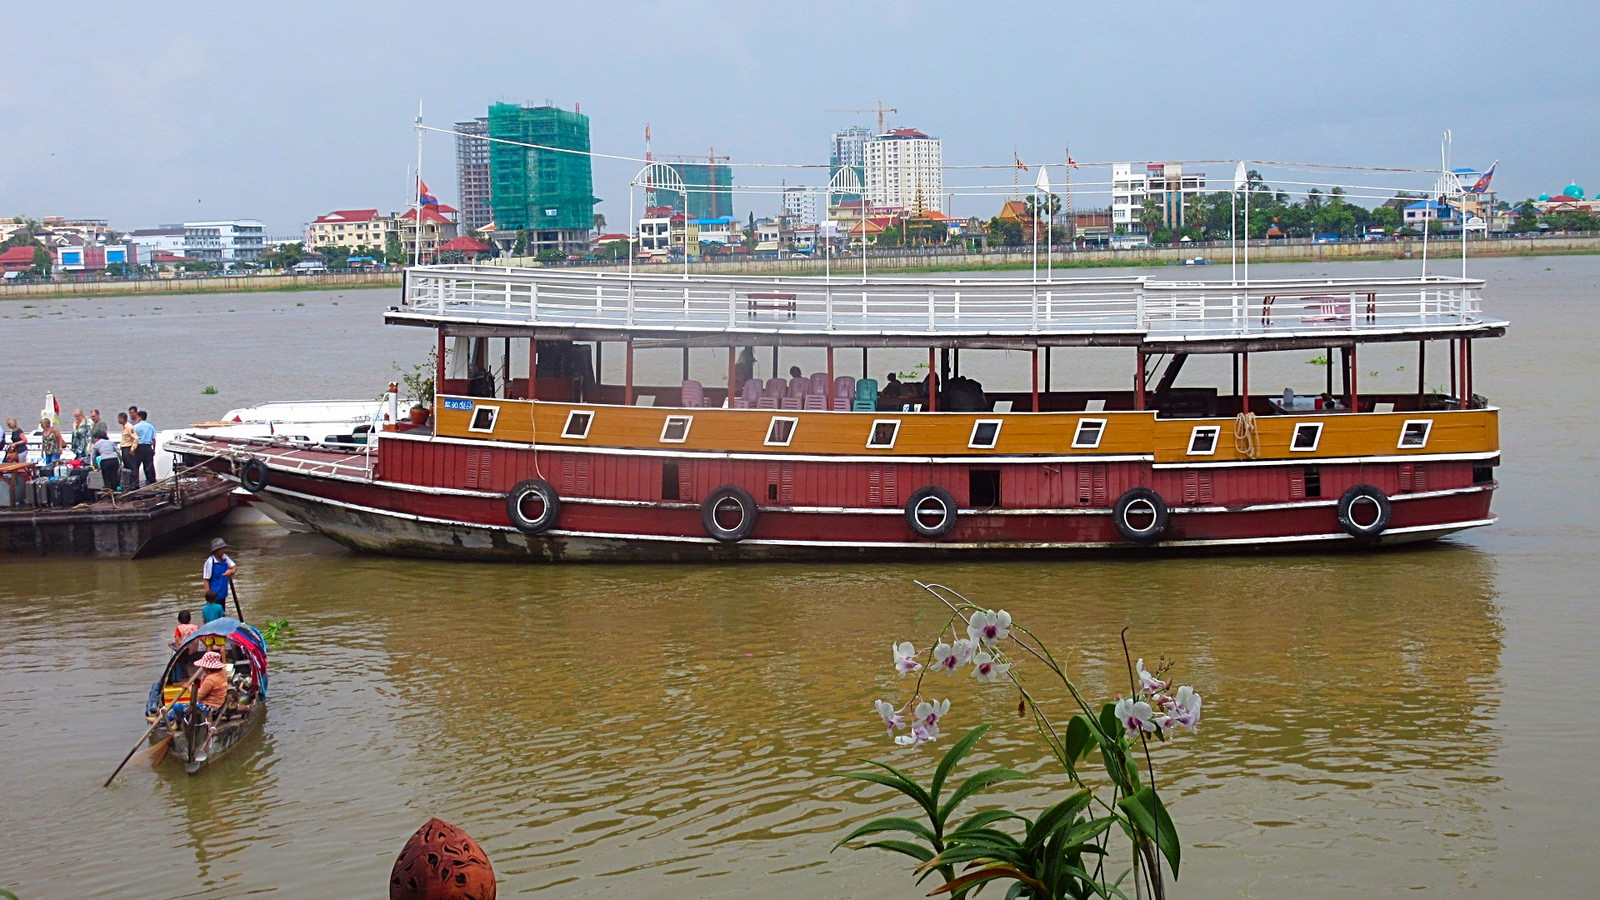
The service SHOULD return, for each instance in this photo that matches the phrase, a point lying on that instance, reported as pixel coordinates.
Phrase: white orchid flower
(929, 712)
(1135, 716)
(989, 626)
(918, 735)
(905, 658)
(1148, 682)
(964, 648)
(892, 719)
(1185, 709)
(985, 669)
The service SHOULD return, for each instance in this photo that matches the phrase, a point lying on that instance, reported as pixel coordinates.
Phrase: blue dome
(1574, 191)
(1544, 198)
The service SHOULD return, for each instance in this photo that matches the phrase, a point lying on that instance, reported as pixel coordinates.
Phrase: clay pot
(441, 862)
(419, 415)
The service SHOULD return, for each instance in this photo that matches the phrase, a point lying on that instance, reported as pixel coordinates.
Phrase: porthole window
(884, 432)
(676, 431)
(483, 419)
(1414, 434)
(1306, 437)
(781, 431)
(985, 434)
(577, 427)
(1203, 440)
(1088, 435)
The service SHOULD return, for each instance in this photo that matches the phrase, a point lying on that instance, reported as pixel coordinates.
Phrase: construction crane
(880, 109)
(711, 157)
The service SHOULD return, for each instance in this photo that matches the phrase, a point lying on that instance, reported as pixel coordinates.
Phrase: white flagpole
(1247, 191)
(416, 192)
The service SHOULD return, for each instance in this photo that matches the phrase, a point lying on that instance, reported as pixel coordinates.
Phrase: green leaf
(990, 874)
(953, 756)
(915, 851)
(1055, 818)
(974, 784)
(889, 823)
(983, 819)
(1149, 815)
(1080, 740)
(897, 780)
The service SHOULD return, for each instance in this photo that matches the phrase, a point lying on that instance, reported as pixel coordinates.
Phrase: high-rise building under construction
(472, 172)
(541, 189)
(710, 189)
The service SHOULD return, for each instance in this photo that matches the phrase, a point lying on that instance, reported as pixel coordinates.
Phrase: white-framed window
(1088, 435)
(676, 429)
(883, 434)
(1306, 437)
(1203, 440)
(483, 418)
(985, 434)
(1414, 434)
(578, 422)
(780, 431)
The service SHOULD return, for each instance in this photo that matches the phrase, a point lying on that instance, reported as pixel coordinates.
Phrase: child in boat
(185, 628)
(213, 608)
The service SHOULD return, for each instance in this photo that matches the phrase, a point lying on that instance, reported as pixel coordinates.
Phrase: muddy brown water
(1419, 720)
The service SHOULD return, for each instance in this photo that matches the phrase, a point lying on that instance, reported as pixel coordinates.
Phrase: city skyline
(177, 139)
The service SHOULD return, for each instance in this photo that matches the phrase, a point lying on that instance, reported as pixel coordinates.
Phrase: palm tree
(600, 223)
(1150, 215)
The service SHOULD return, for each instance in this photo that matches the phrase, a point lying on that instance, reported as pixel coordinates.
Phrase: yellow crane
(880, 109)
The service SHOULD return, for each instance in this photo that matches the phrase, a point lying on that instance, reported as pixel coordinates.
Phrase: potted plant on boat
(418, 384)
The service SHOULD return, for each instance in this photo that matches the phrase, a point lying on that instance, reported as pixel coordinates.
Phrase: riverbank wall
(1261, 252)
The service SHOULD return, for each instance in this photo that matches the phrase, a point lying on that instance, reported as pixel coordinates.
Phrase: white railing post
(1138, 308)
(932, 311)
(827, 299)
(733, 304)
(533, 301)
(1033, 311)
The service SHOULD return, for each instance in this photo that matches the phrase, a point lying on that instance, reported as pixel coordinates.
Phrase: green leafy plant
(417, 382)
(1062, 852)
(209, 389)
(276, 632)
(1320, 359)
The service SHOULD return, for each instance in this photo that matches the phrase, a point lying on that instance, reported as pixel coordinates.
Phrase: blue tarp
(239, 634)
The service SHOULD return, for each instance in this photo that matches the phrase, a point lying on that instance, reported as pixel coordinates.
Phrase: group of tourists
(133, 450)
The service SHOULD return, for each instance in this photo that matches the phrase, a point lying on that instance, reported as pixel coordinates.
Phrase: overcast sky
(150, 114)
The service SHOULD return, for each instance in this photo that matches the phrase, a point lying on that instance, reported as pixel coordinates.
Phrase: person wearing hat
(217, 571)
(213, 689)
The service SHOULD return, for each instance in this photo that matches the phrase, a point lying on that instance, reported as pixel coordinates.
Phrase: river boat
(197, 739)
(538, 451)
(40, 516)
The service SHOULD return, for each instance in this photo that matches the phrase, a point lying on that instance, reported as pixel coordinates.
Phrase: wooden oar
(235, 592)
(159, 719)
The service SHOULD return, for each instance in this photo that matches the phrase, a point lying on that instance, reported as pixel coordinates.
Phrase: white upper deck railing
(909, 306)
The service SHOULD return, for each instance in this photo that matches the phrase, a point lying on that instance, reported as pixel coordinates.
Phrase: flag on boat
(1482, 184)
(1042, 183)
(425, 196)
(1072, 162)
(1240, 176)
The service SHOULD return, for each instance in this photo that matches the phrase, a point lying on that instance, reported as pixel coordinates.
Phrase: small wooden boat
(195, 736)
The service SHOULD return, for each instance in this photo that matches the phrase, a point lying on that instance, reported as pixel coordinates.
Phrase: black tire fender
(931, 512)
(1364, 511)
(533, 506)
(253, 475)
(729, 514)
(1141, 515)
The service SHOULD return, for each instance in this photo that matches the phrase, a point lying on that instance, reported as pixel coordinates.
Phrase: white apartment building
(800, 205)
(656, 237)
(905, 170)
(164, 239)
(1166, 183)
(238, 240)
(351, 228)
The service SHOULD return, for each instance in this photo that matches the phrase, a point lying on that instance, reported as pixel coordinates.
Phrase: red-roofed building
(16, 259)
(350, 228)
(437, 230)
(471, 249)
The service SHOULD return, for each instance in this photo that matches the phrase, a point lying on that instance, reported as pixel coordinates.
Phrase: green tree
(599, 223)
(1005, 232)
(1150, 215)
(283, 257)
(520, 248)
(1387, 218)
(393, 253)
(42, 261)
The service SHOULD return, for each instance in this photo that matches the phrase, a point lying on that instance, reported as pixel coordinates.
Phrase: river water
(1418, 720)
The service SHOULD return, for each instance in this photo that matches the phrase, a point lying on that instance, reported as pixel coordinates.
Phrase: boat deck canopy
(899, 311)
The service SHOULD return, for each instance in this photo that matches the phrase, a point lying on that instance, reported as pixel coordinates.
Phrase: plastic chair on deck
(819, 384)
(776, 388)
(792, 402)
(817, 401)
(799, 386)
(866, 395)
(767, 403)
(693, 394)
(751, 391)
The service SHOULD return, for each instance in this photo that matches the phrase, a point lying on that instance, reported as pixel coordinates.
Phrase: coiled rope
(1246, 439)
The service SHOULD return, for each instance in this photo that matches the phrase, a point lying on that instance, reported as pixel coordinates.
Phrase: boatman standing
(217, 571)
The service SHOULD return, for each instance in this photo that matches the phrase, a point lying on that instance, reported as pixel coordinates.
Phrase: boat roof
(678, 310)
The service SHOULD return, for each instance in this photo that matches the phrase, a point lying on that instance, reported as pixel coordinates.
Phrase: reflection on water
(626, 728)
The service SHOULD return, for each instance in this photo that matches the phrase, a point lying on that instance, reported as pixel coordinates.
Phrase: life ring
(533, 506)
(1364, 511)
(729, 514)
(253, 475)
(931, 512)
(1141, 515)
